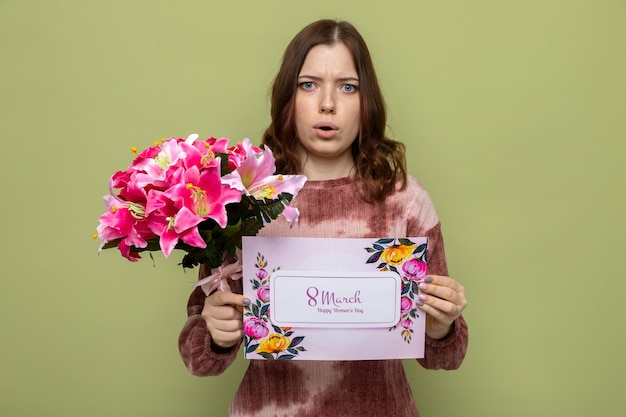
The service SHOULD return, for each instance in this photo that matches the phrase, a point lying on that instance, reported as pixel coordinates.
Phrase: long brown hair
(380, 161)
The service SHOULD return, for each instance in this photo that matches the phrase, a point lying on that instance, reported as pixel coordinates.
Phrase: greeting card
(333, 299)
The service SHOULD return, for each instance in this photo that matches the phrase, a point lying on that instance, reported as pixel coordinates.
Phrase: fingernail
(422, 287)
(419, 303)
(246, 301)
(428, 279)
(423, 297)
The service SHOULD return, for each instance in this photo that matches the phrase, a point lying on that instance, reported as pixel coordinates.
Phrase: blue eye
(307, 85)
(349, 88)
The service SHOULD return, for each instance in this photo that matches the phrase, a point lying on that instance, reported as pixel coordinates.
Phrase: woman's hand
(223, 314)
(443, 302)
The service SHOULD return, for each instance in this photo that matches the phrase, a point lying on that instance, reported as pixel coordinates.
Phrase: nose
(327, 103)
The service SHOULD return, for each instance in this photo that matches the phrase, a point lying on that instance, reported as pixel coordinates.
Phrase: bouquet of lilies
(200, 196)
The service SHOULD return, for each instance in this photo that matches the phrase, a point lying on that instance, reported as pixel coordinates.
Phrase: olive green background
(514, 114)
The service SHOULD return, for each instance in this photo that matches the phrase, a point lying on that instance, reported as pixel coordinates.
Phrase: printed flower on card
(261, 273)
(281, 344)
(406, 323)
(396, 255)
(274, 343)
(415, 270)
(263, 293)
(392, 253)
(406, 335)
(409, 260)
(406, 304)
(255, 328)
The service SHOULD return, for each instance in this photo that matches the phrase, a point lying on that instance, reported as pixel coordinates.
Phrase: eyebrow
(312, 77)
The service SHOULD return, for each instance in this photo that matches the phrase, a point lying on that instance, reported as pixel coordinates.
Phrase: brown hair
(380, 161)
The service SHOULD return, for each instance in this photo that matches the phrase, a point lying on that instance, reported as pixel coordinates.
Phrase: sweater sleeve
(447, 353)
(194, 343)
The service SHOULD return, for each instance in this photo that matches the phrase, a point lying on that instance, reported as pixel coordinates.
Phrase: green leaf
(374, 258)
(112, 244)
(250, 227)
(264, 309)
(405, 242)
(296, 341)
(232, 230)
(224, 167)
(384, 241)
(421, 248)
(207, 235)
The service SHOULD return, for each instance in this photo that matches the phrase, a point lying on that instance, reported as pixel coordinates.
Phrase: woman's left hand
(444, 301)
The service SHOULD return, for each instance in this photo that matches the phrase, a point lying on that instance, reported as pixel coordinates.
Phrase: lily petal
(291, 214)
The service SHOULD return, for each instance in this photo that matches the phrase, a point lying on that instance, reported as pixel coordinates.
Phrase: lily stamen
(263, 191)
(199, 199)
(170, 222)
(136, 210)
(163, 160)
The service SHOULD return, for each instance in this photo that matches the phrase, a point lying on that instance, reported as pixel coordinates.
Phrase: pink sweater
(325, 388)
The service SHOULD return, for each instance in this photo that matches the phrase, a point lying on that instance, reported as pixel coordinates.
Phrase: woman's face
(327, 106)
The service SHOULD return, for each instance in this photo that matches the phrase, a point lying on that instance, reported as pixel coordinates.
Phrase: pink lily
(122, 221)
(172, 188)
(255, 178)
(197, 153)
(215, 145)
(178, 211)
(291, 214)
(171, 222)
(170, 155)
(254, 168)
(238, 153)
(203, 193)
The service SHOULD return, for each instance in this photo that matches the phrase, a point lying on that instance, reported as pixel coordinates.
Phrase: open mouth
(326, 126)
(326, 130)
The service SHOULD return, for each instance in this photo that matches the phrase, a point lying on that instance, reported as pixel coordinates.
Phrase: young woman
(328, 123)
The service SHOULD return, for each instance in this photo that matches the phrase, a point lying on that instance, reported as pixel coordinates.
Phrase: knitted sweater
(333, 388)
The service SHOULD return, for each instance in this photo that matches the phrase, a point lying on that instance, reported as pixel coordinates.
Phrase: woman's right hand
(223, 314)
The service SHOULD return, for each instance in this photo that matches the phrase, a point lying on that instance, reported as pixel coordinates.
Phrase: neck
(320, 169)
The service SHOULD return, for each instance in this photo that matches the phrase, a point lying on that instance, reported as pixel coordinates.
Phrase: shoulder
(417, 203)
(413, 191)
(412, 184)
